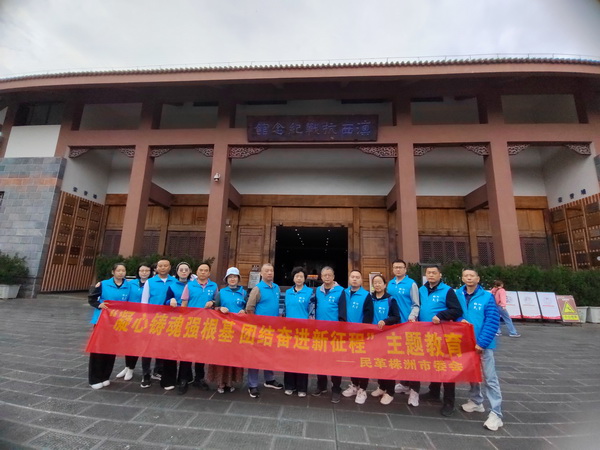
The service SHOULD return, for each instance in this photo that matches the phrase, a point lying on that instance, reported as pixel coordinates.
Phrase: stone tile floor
(550, 381)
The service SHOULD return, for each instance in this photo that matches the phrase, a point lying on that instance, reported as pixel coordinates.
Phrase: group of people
(398, 301)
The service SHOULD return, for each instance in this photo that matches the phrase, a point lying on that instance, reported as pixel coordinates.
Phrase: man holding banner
(479, 309)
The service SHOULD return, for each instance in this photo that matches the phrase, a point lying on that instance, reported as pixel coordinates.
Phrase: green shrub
(13, 269)
(104, 264)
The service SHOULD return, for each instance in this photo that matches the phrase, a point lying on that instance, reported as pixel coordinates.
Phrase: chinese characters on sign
(312, 128)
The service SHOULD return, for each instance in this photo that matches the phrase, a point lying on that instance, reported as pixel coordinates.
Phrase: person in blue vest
(200, 293)
(297, 305)
(155, 293)
(359, 309)
(439, 303)
(329, 297)
(135, 296)
(479, 309)
(183, 273)
(230, 299)
(115, 288)
(406, 293)
(385, 312)
(263, 301)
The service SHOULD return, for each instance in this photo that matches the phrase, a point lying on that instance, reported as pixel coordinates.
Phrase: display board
(568, 308)
(548, 305)
(530, 309)
(512, 305)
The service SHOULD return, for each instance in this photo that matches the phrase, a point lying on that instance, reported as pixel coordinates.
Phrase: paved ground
(550, 380)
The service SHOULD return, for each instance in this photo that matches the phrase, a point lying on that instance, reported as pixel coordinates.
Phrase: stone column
(214, 243)
(9, 121)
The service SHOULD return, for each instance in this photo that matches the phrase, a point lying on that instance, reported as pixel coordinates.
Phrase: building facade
(489, 161)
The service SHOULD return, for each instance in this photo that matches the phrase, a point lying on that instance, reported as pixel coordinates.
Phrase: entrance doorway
(311, 248)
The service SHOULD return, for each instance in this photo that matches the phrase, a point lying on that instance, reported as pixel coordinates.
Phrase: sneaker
(221, 390)
(182, 387)
(128, 375)
(288, 392)
(122, 373)
(319, 392)
(447, 410)
(386, 399)
(146, 382)
(106, 383)
(471, 406)
(301, 394)
(97, 386)
(230, 388)
(361, 396)
(493, 422)
(413, 398)
(378, 392)
(401, 389)
(169, 388)
(201, 384)
(253, 392)
(156, 376)
(273, 384)
(498, 334)
(335, 397)
(350, 391)
(514, 335)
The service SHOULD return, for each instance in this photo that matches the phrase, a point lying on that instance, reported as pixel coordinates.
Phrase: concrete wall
(33, 141)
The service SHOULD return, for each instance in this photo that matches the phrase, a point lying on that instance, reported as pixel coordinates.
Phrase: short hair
(356, 270)
(204, 264)
(380, 276)
(400, 261)
(328, 268)
(433, 266)
(266, 265)
(297, 270)
(498, 283)
(137, 271)
(115, 265)
(471, 269)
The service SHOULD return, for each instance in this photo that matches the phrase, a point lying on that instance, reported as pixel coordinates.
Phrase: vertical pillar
(214, 243)
(501, 199)
(140, 182)
(407, 228)
(70, 121)
(9, 121)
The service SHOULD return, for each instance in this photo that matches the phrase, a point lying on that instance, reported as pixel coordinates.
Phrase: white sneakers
(386, 399)
(126, 374)
(100, 385)
(413, 398)
(471, 406)
(493, 422)
(350, 391)
(361, 397)
(401, 389)
(378, 392)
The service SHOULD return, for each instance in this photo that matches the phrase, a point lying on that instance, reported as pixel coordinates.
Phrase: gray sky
(59, 35)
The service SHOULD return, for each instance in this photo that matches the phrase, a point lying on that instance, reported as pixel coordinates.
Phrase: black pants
(336, 383)
(100, 368)
(361, 383)
(388, 386)
(449, 392)
(169, 375)
(199, 369)
(131, 361)
(414, 385)
(295, 381)
(147, 363)
(185, 372)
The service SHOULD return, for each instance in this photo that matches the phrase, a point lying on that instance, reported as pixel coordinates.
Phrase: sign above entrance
(346, 128)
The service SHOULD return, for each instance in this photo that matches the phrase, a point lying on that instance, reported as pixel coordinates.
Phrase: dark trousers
(100, 367)
(388, 386)
(199, 368)
(131, 361)
(414, 385)
(169, 375)
(147, 363)
(362, 383)
(336, 383)
(449, 392)
(185, 372)
(295, 381)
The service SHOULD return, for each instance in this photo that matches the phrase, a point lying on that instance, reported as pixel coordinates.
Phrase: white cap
(232, 271)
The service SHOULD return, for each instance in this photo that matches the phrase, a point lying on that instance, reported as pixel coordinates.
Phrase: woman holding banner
(113, 289)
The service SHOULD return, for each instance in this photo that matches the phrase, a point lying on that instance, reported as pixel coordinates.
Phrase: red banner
(411, 351)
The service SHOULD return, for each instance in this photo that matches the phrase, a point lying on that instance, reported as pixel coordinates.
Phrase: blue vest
(233, 300)
(136, 289)
(200, 295)
(400, 290)
(433, 303)
(297, 304)
(328, 305)
(474, 311)
(268, 305)
(381, 307)
(111, 292)
(158, 289)
(355, 303)
(175, 290)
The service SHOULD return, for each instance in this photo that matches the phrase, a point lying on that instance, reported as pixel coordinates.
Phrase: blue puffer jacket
(480, 311)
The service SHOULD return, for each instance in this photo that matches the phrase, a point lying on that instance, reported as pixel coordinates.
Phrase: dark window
(39, 114)
(443, 249)
(535, 251)
(185, 243)
(111, 242)
(150, 244)
(485, 248)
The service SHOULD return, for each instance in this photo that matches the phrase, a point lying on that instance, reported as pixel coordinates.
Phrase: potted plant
(13, 272)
